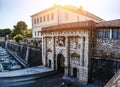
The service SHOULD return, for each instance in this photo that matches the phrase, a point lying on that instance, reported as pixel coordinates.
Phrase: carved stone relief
(75, 58)
(75, 46)
(49, 44)
(60, 41)
(75, 43)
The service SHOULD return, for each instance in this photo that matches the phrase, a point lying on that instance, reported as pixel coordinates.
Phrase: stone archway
(60, 62)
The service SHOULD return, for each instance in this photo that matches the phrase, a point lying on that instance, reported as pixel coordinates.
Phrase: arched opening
(60, 63)
(74, 72)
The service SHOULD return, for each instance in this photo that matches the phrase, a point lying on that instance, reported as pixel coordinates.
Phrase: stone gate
(67, 47)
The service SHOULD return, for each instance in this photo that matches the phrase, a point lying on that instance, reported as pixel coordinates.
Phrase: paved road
(49, 81)
(54, 81)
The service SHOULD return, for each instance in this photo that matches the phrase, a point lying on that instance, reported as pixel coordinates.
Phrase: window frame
(34, 21)
(52, 16)
(40, 19)
(37, 20)
(48, 18)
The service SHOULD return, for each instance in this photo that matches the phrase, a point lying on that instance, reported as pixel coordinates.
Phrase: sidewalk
(26, 71)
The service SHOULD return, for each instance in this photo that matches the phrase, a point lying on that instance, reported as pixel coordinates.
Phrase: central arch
(60, 62)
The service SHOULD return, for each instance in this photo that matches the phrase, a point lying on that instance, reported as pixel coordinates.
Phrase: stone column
(67, 58)
(82, 52)
(44, 50)
(83, 74)
(27, 54)
(53, 52)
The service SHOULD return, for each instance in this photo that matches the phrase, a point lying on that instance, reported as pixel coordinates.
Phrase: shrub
(18, 37)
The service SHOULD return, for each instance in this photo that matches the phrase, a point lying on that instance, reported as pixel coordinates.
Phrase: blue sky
(12, 11)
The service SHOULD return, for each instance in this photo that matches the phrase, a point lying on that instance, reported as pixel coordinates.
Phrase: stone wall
(2, 43)
(32, 55)
(107, 48)
(106, 59)
(103, 70)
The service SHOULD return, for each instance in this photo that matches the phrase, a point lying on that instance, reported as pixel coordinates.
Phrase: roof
(111, 23)
(42, 11)
(73, 9)
(83, 25)
(74, 25)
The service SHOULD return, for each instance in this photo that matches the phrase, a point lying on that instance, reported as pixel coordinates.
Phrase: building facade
(106, 51)
(71, 47)
(107, 41)
(66, 48)
(59, 15)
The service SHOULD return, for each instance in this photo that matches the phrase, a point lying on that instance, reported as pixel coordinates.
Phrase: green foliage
(18, 37)
(4, 32)
(28, 33)
(20, 28)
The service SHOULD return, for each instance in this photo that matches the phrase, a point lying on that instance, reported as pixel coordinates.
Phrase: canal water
(7, 62)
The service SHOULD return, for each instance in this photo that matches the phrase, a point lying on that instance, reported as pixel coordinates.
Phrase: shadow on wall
(103, 70)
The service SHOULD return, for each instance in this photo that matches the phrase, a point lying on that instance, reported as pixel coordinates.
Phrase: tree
(28, 33)
(18, 37)
(20, 28)
(4, 32)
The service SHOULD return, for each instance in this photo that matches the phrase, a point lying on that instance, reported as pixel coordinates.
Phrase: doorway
(60, 63)
(49, 63)
(74, 72)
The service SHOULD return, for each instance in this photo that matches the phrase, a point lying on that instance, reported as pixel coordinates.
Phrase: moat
(7, 62)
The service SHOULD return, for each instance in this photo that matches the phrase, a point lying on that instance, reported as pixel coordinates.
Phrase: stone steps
(20, 60)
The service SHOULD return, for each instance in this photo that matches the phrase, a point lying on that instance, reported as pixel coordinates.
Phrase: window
(116, 33)
(35, 33)
(37, 20)
(47, 17)
(34, 21)
(40, 19)
(107, 34)
(100, 34)
(119, 33)
(39, 33)
(104, 33)
(44, 18)
(52, 16)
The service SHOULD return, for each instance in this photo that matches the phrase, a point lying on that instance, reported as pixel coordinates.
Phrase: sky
(13, 11)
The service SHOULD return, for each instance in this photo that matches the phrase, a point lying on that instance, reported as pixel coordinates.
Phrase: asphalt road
(49, 81)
